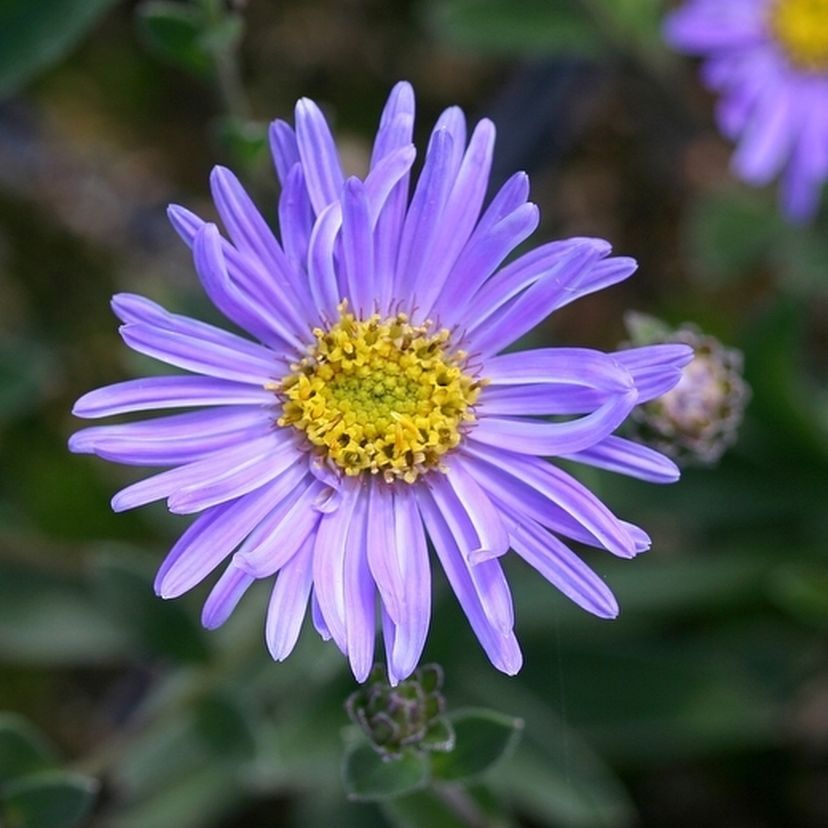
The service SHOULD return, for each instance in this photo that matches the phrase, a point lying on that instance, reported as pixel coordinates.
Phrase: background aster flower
(373, 408)
(768, 59)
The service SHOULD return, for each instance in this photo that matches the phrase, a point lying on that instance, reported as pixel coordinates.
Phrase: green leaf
(483, 737)
(49, 799)
(175, 32)
(23, 749)
(367, 776)
(35, 35)
(538, 27)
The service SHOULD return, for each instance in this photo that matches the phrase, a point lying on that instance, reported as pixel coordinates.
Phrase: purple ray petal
(486, 575)
(481, 257)
(491, 532)
(502, 648)
(132, 309)
(225, 596)
(167, 392)
(283, 148)
(357, 248)
(359, 593)
(412, 552)
(422, 221)
(170, 441)
(285, 529)
(273, 328)
(519, 499)
(564, 569)
(329, 563)
(295, 219)
(289, 602)
(203, 473)
(210, 539)
(554, 439)
(384, 557)
(317, 151)
(625, 457)
(323, 282)
(564, 491)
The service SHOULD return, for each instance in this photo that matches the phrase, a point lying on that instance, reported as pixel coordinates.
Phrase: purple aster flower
(371, 409)
(768, 59)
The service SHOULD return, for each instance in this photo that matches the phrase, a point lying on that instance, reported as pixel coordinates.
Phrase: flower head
(768, 60)
(370, 410)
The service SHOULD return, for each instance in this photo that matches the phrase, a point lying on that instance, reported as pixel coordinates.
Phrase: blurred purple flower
(354, 427)
(768, 60)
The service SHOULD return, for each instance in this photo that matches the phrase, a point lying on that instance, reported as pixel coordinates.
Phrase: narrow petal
(461, 211)
(520, 500)
(210, 539)
(412, 552)
(655, 369)
(625, 457)
(272, 327)
(359, 593)
(399, 109)
(295, 219)
(486, 575)
(381, 547)
(383, 179)
(422, 220)
(289, 602)
(262, 287)
(132, 309)
(565, 492)
(171, 441)
(251, 473)
(481, 257)
(251, 235)
(536, 437)
(569, 366)
(201, 357)
(487, 523)
(329, 563)
(501, 648)
(318, 154)
(563, 569)
(283, 148)
(504, 322)
(203, 473)
(152, 393)
(766, 142)
(357, 249)
(321, 267)
(289, 524)
(225, 596)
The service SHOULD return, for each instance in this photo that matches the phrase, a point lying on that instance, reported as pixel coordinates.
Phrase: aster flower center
(380, 395)
(801, 29)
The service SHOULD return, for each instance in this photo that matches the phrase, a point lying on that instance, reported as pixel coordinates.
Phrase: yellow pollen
(801, 29)
(380, 395)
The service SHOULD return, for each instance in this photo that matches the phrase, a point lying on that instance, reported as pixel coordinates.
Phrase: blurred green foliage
(703, 704)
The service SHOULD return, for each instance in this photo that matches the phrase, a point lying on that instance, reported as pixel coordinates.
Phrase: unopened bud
(698, 419)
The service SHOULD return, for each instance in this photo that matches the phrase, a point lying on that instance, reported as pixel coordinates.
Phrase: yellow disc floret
(801, 29)
(380, 395)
